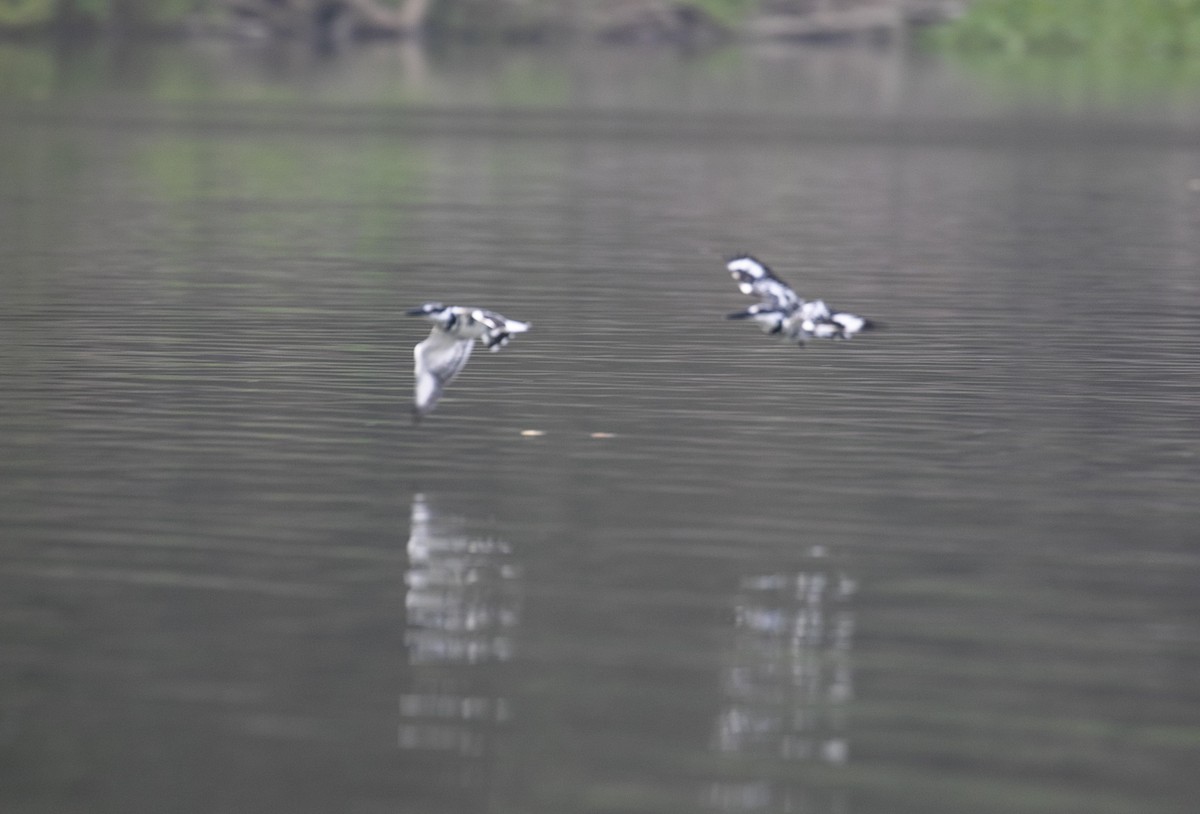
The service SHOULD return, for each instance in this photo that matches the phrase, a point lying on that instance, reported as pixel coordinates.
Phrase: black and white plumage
(443, 355)
(755, 279)
(782, 311)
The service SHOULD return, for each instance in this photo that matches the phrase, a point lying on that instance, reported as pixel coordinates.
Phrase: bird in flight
(780, 310)
(444, 353)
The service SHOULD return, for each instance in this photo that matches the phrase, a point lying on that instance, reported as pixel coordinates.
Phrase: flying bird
(782, 311)
(444, 353)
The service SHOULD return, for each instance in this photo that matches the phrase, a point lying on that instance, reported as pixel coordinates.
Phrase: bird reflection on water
(462, 604)
(786, 682)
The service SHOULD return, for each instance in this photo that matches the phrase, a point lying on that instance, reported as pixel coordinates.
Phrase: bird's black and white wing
(438, 360)
(754, 278)
(781, 311)
(851, 323)
(498, 328)
(770, 318)
(815, 320)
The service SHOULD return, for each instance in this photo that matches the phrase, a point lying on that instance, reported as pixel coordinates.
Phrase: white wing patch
(444, 353)
(850, 323)
(498, 328)
(748, 266)
(438, 360)
(815, 310)
(755, 279)
(783, 311)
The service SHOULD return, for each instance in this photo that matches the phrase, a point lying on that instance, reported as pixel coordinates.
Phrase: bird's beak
(740, 315)
(415, 312)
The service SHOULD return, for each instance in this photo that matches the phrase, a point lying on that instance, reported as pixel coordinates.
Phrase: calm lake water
(950, 566)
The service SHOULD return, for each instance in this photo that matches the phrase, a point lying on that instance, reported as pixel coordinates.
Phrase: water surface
(948, 566)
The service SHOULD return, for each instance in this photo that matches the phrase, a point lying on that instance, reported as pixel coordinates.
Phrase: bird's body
(444, 353)
(782, 311)
(771, 318)
(755, 279)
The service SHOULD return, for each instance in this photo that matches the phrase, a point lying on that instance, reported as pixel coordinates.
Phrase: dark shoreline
(678, 25)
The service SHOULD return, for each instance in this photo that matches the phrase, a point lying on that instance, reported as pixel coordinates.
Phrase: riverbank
(628, 21)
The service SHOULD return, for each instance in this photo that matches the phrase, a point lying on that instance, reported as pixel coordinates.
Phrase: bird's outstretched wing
(438, 360)
(769, 317)
(851, 323)
(756, 279)
(499, 328)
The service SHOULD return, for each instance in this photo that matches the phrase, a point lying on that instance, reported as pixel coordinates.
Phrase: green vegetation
(18, 14)
(478, 16)
(1159, 28)
(501, 18)
(1082, 54)
(725, 12)
(1087, 81)
(32, 15)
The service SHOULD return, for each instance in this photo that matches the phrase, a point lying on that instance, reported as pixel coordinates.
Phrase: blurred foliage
(1081, 53)
(505, 17)
(1113, 27)
(26, 73)
(494, 15)
(27, 13)
(1089, 80)
(18, 15)
(474, 15)
(157, 13)
(726, 12)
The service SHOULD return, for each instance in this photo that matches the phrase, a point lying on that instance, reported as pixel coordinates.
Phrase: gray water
(949, 566)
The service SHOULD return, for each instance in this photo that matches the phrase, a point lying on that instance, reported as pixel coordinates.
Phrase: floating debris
(532, 433)
(603, 435)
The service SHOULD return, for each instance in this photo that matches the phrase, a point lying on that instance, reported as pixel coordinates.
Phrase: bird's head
(426, 310)
(747, 270)
(435, 312)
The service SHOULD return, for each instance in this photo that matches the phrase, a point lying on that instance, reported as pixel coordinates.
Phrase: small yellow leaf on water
(532, 433)
(603, 435)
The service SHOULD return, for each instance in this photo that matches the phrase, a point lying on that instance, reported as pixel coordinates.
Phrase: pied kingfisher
(445, 352)
(783, 312)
